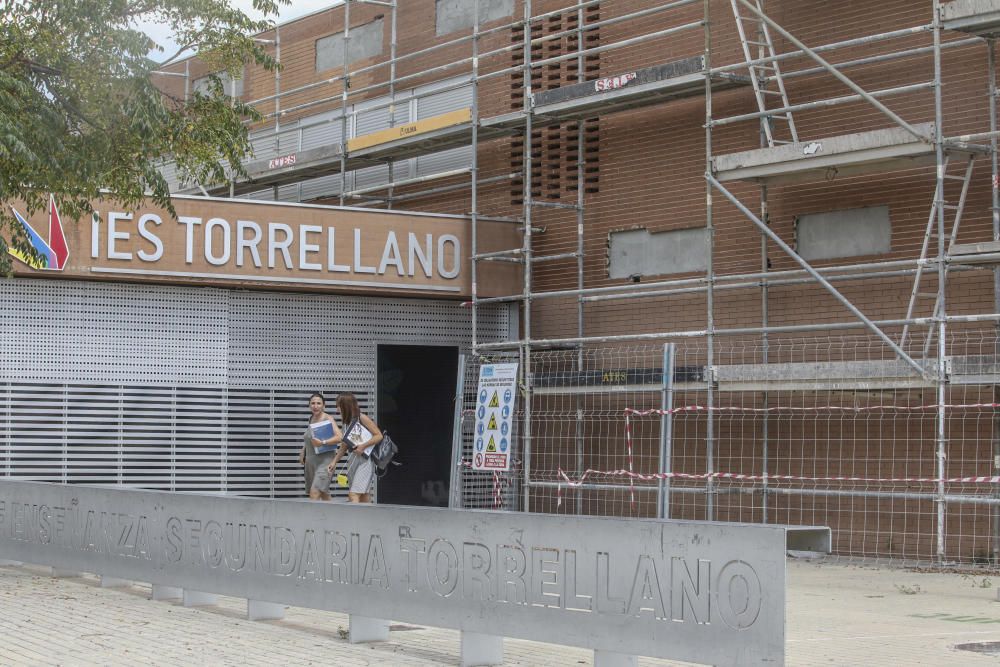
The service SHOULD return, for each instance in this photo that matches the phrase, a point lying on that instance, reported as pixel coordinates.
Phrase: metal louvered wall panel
(431, 104)
(323, 129)
(185, 389)
(267, 144)
(289, 193)
(94, 332)
(323, 186)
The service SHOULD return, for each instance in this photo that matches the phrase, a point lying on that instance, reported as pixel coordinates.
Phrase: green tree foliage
(81, 112)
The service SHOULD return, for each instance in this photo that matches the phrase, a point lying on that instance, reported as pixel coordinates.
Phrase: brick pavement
(837, 614)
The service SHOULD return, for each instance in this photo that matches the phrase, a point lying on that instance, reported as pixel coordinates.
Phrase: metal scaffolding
(908, 354)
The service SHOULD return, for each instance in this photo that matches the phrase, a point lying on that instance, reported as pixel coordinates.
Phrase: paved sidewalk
(837, 615)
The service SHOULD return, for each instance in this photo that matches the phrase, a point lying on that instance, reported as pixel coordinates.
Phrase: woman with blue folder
(320, 444)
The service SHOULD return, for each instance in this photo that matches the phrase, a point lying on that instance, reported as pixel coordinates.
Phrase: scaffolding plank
(847, 155)
(616, 376)
(616, 389)
(408, 131)
(401, 143)
(984, 252)
(828, 375)
(979, 17)
(629, 90)
(976, 366)
(291, 167)
(863, 375)
(850, 375)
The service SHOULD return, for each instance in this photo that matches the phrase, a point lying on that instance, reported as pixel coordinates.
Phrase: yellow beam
(410, 129)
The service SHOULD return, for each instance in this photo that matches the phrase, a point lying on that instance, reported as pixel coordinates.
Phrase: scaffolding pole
(526, 386)
(392, 90)
(474, 182)
(277, 95)
(940, 310)
(581, 26)
(709, 273)
(766, 47)
(666, 430)
(991, 61)
(344, 92)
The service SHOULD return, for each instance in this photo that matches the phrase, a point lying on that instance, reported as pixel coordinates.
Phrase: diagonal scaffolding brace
(837, 73)
(815, 274)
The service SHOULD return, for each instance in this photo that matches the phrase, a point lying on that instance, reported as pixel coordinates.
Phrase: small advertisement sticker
(614, 82)
(497, 384)
(283, 161)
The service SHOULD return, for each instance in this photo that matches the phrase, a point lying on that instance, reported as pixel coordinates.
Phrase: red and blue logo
(52, 255)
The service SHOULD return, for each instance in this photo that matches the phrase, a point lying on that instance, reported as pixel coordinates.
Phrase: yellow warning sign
(492, 446)
(495, 401)
(492, 426)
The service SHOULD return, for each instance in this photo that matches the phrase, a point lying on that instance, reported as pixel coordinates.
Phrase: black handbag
(385, 452)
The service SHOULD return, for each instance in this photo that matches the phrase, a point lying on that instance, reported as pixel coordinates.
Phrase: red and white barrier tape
(500, 482)
(499, 485)
(818, 408)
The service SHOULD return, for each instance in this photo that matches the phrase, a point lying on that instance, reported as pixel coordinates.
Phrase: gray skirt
(361, 471)
(317, 475)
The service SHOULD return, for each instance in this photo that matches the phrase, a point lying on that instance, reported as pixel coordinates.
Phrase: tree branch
(73, 109)
(176, 55)
(39, 68)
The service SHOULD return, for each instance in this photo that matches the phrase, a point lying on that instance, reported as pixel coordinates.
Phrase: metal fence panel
(808, 431)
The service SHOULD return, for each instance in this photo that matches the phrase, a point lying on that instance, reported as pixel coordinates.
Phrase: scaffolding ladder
(931, 232)
(765, 73)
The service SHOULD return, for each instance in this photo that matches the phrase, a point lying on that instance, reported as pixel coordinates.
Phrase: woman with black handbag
(361, 434)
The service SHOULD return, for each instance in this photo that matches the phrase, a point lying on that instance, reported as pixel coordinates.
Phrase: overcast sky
(161, 35)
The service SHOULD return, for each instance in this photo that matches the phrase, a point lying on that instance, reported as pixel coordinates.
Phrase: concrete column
(59, 573)
(258, 610)
(198, 598)
(161, 592)
(612, 659)
(364, 629)
(480, 649)
(114, 582)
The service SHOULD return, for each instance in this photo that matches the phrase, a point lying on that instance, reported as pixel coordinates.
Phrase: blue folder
(323, 431)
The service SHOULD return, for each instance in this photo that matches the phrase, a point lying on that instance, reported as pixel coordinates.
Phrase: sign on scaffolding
(494, 416)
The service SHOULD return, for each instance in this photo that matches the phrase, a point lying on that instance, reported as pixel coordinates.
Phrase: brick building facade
(643, 168)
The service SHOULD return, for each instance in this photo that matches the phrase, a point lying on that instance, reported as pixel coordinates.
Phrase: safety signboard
(494, 412)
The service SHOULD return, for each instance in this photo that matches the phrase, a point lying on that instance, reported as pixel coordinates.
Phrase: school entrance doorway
(416, 392)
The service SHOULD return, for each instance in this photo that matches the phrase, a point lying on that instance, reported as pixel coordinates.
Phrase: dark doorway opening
(416, 392)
